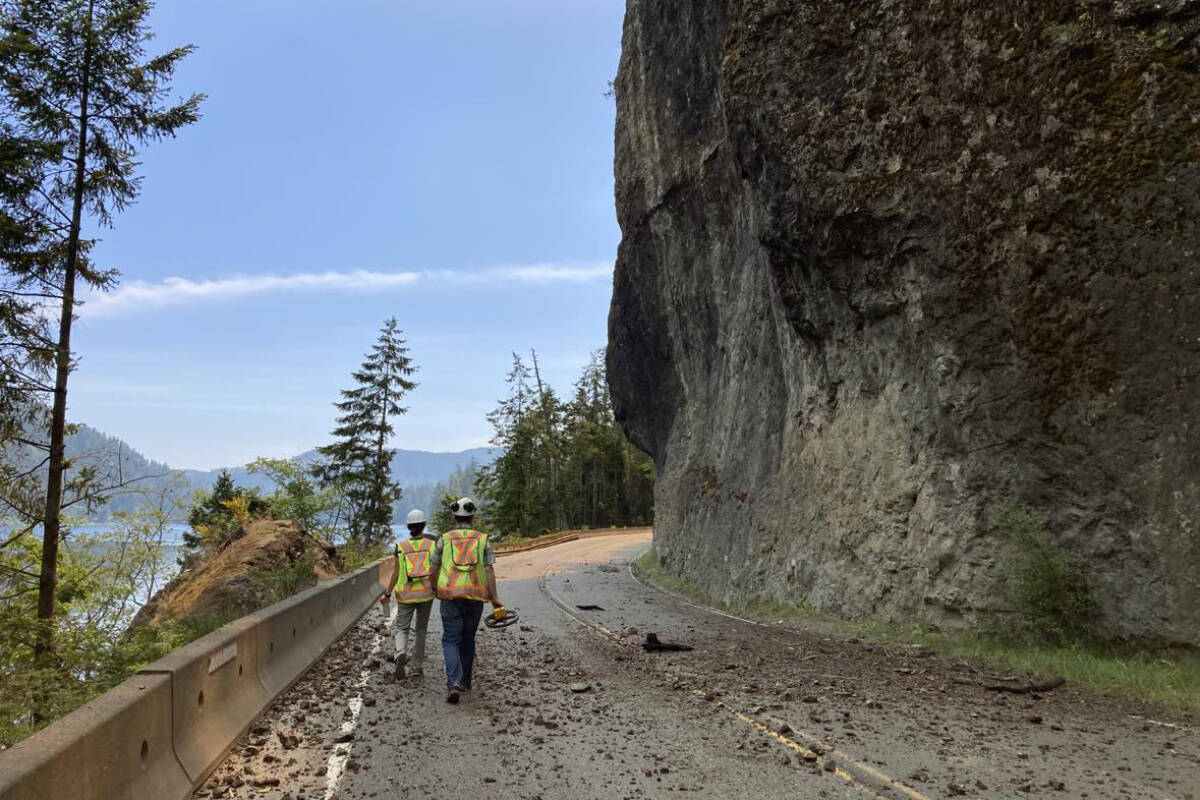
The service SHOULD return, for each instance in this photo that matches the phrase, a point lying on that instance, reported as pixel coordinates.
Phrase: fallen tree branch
(1028, 688)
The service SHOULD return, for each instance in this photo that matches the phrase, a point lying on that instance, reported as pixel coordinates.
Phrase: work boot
(452, 695)
(401, 660)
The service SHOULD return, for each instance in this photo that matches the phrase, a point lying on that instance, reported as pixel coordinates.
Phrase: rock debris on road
(563, 711)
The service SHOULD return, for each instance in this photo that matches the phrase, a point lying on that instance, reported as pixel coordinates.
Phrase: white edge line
(336, 765)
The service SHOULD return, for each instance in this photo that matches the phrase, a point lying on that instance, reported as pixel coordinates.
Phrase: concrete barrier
(291, 635)
(538, 543)
(295, 633)
(117, 747)
(356, 592)
(159, 734)
(611, 532)
(503, 548)
(215, 693)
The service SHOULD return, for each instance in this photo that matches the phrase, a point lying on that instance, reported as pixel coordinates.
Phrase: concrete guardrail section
(553, 539)
(159, 734)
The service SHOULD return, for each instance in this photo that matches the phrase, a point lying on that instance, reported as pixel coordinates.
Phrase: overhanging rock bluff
(889, 268)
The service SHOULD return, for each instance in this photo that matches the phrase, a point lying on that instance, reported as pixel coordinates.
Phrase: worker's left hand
(383, 601)
(499, 614)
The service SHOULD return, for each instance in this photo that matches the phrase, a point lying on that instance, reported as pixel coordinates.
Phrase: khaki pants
(404, 619)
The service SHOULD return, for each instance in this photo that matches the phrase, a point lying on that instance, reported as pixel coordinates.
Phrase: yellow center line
(792, 744)
(758, 725)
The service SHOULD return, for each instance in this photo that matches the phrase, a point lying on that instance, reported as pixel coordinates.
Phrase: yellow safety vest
(463, 575)
(414, 572)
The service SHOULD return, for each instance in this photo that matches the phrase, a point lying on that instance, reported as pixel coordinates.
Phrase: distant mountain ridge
(409, 467)
(417, 471)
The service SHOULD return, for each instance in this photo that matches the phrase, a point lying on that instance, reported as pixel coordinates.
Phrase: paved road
(754, 711)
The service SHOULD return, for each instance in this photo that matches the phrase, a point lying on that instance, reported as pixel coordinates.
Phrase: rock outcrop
(242, 576)
(889, 268)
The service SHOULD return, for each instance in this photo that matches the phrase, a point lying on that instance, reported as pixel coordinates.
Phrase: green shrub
(1043, 580)
(282, 582)
(355, 555)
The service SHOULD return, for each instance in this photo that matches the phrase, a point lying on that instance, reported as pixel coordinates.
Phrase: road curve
(754, 711)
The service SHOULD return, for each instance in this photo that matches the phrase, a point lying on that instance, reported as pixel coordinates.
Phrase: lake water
(172, 534)
(172, 548)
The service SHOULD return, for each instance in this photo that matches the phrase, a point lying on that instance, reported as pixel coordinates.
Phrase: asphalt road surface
(567, 704)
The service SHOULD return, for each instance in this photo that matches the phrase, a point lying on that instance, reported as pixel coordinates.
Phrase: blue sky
(449, 163)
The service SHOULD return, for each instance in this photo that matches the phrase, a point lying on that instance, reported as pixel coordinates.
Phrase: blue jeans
(460, 621)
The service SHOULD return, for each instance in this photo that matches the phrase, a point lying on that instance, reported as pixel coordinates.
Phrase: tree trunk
(51, 529)
(381, 476)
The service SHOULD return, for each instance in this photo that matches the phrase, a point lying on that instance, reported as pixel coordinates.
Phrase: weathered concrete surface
(117, 747)
(161, 731)
(889, 268)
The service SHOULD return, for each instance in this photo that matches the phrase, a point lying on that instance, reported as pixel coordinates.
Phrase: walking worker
(413, 582)
(466, 579)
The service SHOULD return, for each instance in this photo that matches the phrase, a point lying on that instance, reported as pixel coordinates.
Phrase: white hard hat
(415, 516)
(463, 507)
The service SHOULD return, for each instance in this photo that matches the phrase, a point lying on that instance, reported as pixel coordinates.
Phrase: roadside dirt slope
(228, 580)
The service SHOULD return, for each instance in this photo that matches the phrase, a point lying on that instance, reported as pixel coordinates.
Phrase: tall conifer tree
(79, 97)
(358, 465)
(562, 465)
(509, 482)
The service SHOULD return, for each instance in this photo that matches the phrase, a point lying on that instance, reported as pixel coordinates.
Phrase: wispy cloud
(549, 273)
(136, 296)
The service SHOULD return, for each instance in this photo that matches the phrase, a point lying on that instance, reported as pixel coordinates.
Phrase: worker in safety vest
(466, 579)
(412, 580)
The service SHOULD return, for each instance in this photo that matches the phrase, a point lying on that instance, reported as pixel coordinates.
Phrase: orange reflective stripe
(417, 592)
(460, 594)
(465, 550)
(417, 558)
(413, 557)
(463, 576)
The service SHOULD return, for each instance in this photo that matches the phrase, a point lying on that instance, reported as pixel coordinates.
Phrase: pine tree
(223, 489)
(204, 509)
(80, 96)
(462, 482)
(546, 423)
(212, 519)
(596, 463)
(26, 241)
(563, 465)
(621, 476)
(509, 481)
(358, 465)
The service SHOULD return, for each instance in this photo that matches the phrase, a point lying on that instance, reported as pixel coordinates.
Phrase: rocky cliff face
(890, 267)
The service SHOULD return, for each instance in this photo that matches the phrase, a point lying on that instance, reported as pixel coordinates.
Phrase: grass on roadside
(1171, 677)
(648, 568)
